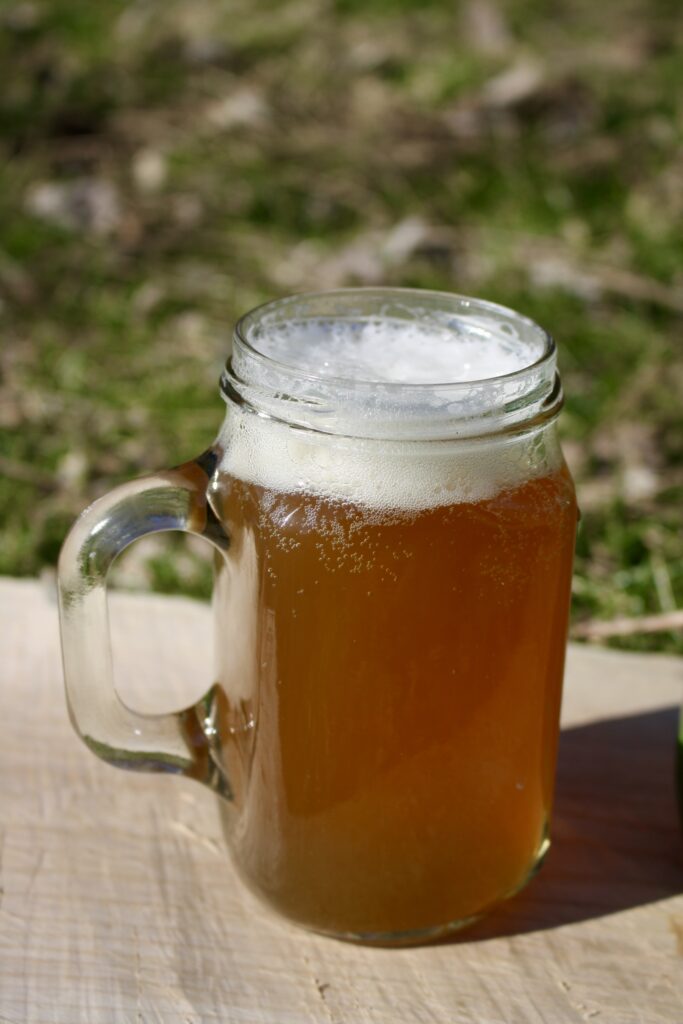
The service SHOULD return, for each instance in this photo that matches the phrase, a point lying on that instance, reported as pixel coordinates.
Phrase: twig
(619, 281)
(595, 630)
(630, 285)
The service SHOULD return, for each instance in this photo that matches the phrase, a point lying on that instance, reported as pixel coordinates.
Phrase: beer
(391, 626)
(394, 528)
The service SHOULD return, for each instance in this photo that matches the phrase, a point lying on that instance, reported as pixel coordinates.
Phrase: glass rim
(466, 302)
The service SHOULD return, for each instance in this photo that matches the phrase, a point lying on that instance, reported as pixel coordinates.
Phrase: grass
(165, 166)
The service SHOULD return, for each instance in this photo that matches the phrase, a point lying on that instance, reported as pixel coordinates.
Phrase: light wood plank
(119, 904)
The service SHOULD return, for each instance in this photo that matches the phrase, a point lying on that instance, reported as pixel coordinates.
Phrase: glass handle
(185, 742)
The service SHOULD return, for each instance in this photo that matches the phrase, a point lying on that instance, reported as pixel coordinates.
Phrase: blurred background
(167, 164)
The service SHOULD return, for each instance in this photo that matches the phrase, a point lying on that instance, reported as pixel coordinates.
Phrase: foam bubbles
(364, 436)
(392, 350)
(383, 476)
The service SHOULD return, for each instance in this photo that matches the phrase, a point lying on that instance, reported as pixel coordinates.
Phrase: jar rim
(465, 302)
(356, 406)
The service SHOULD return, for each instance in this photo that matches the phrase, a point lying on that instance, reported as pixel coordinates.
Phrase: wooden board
(118, 903)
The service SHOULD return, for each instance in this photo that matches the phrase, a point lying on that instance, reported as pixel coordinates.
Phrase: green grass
(282, 136)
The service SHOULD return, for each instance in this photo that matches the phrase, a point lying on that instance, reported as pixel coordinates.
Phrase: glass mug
(393, 566)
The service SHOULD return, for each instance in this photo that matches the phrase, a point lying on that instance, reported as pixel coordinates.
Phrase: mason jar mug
(393, 525)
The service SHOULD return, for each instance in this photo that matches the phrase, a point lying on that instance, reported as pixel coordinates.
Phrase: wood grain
(118, 903)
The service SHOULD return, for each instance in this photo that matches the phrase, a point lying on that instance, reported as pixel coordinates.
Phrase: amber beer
(397, 684)
(394, 527)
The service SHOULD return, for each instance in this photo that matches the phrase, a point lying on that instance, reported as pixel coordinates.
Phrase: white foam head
(392, 405)
(391, 350)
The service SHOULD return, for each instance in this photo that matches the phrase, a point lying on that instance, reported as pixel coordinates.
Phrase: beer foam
(361, 437)
(381, 475)
(392, 350)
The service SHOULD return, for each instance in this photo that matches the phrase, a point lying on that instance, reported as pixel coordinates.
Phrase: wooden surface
(119, 903)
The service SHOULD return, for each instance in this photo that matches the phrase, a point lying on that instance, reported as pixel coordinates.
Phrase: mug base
(412, 937)
(440, 932)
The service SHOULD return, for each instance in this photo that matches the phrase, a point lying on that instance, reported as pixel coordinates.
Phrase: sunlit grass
(253, 148)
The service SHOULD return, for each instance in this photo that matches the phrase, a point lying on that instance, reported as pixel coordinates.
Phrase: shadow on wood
(616, 840)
